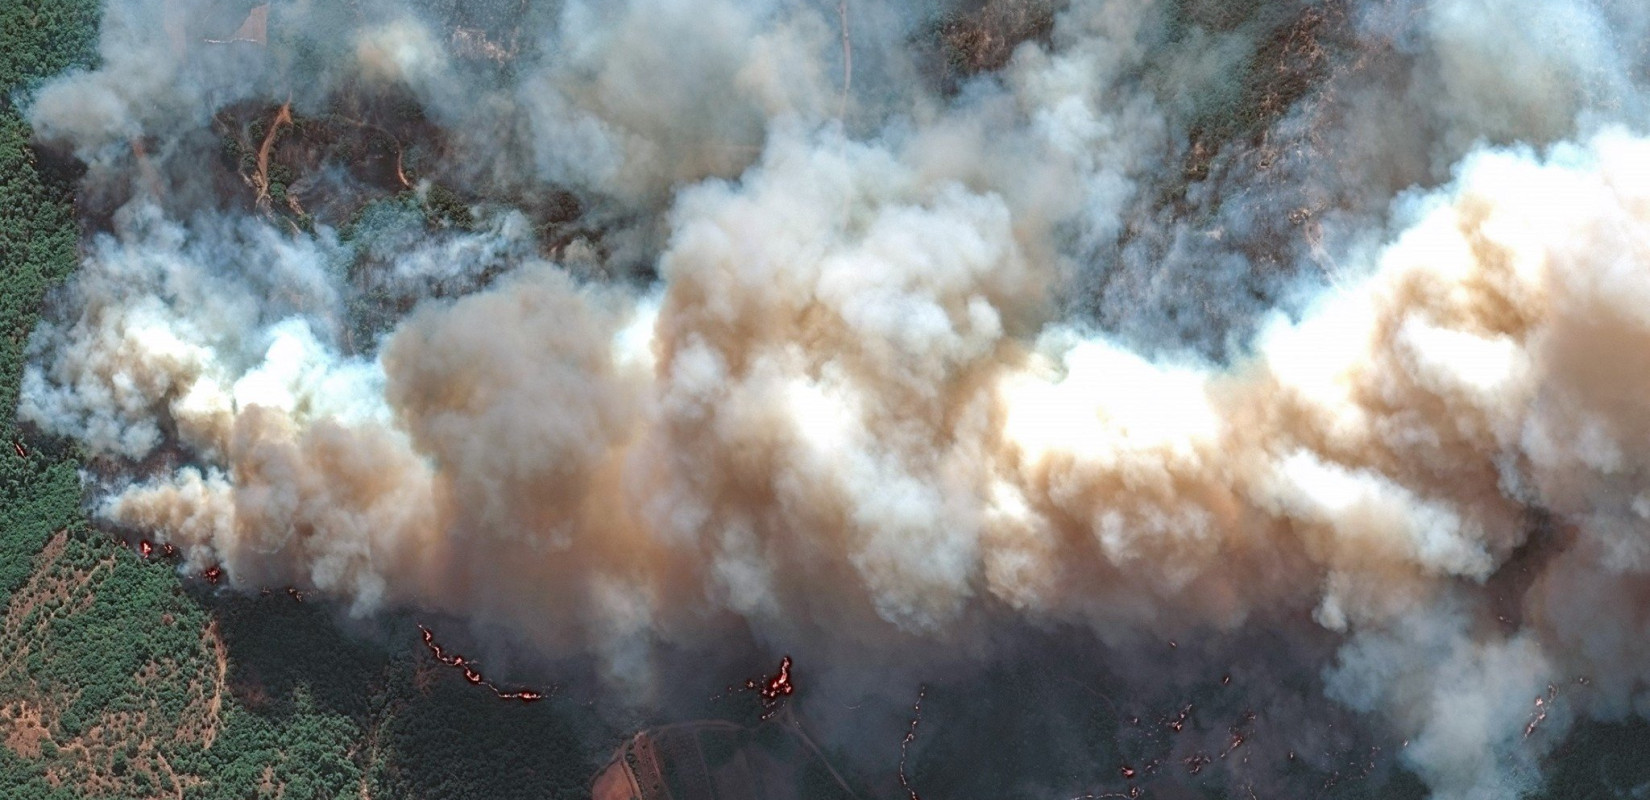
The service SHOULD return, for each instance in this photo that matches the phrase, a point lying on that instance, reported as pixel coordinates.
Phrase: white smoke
(854, 410)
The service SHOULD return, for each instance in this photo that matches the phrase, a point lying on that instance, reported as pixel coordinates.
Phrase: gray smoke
(1172, 320)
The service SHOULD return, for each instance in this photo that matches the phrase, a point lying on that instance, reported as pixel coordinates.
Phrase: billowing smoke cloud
(1061, 343)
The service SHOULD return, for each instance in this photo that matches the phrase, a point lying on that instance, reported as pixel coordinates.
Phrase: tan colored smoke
(826, 418)
(847, 424)
(853, 410)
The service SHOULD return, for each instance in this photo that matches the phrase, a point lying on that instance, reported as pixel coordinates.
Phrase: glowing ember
(1366, 768)
(1179, 722)
(21, 453)
(524, 695)
(145, 548)
(1542, 704)
(773, 690)
(1239, 734)
(469, 668)
(213, 574)
(1150, 744)
(911, 736)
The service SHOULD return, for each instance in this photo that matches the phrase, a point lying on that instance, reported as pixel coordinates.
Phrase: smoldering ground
(986, 346)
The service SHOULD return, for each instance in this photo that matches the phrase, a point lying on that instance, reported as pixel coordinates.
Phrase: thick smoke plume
(1164, 321)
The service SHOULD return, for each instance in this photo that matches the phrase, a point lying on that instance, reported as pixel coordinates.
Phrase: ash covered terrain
(824, 398)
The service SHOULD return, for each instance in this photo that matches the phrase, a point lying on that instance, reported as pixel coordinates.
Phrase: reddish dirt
(266, 784)
(34, 591)
(260, 179)
(24, 729)
(44, 586)
(166, 767)
(220, 655)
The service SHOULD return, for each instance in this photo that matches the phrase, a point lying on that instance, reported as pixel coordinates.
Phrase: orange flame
(471, 673)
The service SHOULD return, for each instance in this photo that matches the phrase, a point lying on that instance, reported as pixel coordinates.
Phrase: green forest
(121, 678)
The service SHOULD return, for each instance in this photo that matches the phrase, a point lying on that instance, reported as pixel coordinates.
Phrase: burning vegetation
(472, 671)
(662, 335)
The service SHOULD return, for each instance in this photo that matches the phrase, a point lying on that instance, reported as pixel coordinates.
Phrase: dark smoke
(1238, 395)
